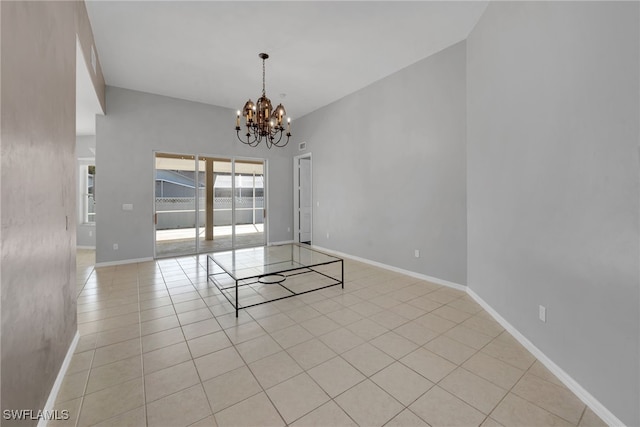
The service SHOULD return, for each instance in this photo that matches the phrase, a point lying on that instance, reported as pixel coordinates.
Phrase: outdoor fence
(180, 212)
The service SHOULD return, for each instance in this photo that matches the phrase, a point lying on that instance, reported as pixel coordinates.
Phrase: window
(89, 195)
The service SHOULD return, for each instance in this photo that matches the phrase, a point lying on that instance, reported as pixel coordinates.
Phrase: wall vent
(302, 146)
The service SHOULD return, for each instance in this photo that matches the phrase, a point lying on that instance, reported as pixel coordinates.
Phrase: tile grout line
(193, 360)
(86, 384)
(366, 377)
(144, 389)
(186, 341)
(540, 407)
(234, 345)
(503, 397)
(584, 411)
(179, 326)
(304, 371)
(141, 356)
(92, 357)
(337, 355)
(408, 367)
(250, 370)
(261, 385)
(434, 384)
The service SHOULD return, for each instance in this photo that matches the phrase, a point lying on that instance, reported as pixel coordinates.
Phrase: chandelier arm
(279, 134)
(248, 141)
(285, 142)
(257, 135)
(238, 135)
(256, 140)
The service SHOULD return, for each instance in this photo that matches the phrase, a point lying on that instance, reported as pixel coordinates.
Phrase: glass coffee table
(253, 276)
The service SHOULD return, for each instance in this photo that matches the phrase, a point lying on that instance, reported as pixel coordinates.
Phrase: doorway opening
(303, 199)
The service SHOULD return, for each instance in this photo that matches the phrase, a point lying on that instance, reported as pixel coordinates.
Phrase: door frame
(296, 196)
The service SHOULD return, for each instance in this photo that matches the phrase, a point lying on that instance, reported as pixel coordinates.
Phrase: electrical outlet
(542, 313)
(327, 235)
(416, 253)
(115, 246)
(288, 229)
(90, 233)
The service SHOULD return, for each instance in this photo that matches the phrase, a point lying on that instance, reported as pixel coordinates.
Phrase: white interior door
(304, 199)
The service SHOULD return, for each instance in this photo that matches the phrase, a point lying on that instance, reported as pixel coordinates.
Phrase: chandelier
(262, 121)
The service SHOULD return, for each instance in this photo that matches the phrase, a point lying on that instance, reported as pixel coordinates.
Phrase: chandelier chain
(263, 74)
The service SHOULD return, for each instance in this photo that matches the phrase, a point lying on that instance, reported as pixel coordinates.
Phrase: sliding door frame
(154, 214)
(265, 168)
(196, 160)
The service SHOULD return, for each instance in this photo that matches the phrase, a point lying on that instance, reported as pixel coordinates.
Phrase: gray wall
(85, 233)
(85, 146)
(37, 193)
(389, 169)
(553, 184)
(138, 123)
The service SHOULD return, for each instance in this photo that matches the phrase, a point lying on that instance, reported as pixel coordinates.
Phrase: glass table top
(264, 260)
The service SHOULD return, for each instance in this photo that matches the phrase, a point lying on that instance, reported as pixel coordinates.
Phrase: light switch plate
(542, 313)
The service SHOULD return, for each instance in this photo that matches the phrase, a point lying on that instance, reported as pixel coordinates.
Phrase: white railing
(179, 212)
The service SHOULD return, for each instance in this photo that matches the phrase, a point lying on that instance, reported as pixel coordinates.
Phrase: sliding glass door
(249, 206)
(208, 204)
(175, 204)
(216, 229)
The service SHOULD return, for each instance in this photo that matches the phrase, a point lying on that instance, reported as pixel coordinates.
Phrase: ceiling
(320, 51)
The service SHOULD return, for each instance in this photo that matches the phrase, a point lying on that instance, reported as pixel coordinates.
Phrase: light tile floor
(161, 347)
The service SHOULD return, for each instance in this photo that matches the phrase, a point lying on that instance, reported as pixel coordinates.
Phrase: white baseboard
(53, 395)
(122, 262)
(587, 398)
(395, 269)
(86, 247)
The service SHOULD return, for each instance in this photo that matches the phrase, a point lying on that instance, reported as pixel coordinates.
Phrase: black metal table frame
(251, 280)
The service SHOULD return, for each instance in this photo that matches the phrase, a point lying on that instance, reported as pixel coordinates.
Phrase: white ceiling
(320, 51)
